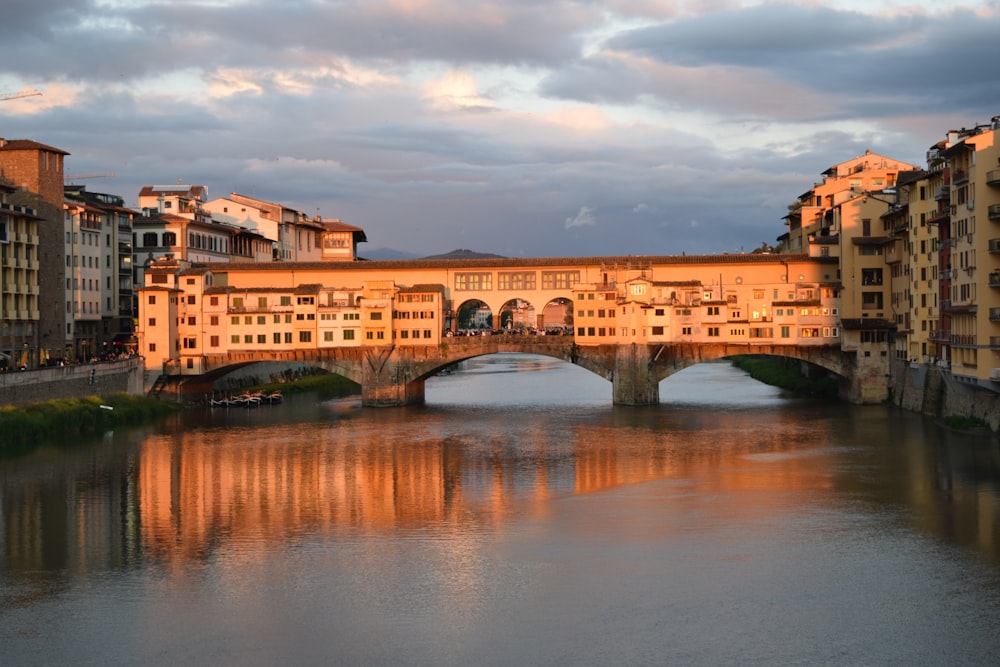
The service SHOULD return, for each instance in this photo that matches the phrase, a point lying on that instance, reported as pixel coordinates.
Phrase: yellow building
(974, 161)
(18, 283)
(811, 222)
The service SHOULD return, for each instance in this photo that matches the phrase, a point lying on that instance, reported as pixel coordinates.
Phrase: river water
(516, 518)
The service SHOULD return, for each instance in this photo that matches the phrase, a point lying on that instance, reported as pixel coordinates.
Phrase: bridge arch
(395, 375)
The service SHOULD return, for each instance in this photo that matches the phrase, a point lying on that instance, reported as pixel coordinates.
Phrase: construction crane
(80, 177)
(27, 92)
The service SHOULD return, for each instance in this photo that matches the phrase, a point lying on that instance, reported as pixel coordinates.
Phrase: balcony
(940, 335)
(943, 193)
(939, 216)
(994, 314)
(995, 342)
(995, 280)
(994, 245)
(959, 177)
(993, 177)
(993, 212)
(963, 340)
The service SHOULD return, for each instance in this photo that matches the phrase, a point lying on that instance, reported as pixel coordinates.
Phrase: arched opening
(517, 316)
(474, 317)
(557, 317)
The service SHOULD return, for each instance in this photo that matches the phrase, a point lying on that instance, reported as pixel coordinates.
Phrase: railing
(959, 176)
(993, 212)
(940, 335)
(995, 280)
(994, 314)
(993, 177)
(942, 193)
(963, 340)
(995, 342)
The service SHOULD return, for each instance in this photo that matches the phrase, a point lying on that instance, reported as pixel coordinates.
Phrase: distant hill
(465, 254)
(389, 253)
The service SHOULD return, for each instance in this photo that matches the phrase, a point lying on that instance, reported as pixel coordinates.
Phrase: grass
(960, 423)
(61, 418)
(785, 373)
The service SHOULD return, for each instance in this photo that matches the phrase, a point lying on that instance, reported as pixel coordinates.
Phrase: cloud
(583, 218)
(427, 121)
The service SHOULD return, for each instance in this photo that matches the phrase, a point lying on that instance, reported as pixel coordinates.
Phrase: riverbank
(65, 418)
(786, 374)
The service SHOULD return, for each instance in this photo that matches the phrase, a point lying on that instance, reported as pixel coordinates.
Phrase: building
(973, 157)
(36, 170)
(810, 221)
(18, 283)
(295, 236)
(115, 331)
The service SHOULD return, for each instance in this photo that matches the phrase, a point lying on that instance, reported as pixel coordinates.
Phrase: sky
(524, 128)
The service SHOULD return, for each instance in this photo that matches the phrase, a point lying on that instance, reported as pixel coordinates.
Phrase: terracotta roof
(515, 263)
(28, 145)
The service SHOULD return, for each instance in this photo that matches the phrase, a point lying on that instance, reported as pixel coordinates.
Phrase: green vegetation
(20, 426)
(327, 386)
(785, 373)
(960, 423)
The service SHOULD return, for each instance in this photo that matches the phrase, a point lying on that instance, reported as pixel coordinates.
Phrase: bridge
(392, 376)
(389, 325)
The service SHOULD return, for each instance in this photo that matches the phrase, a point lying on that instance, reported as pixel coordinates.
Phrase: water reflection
(432, 518)
(278, 474)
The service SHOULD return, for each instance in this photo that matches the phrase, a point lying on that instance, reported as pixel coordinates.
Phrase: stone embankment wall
(21, 388)
(932, 390)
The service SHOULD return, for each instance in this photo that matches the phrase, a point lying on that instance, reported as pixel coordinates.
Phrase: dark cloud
(688, 135)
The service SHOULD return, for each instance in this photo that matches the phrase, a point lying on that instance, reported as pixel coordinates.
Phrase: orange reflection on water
(197, 488)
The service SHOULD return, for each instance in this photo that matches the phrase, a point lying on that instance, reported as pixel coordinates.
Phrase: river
(516, 518)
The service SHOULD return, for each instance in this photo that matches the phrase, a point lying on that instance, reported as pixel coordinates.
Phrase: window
(327, 336)
(213, 341)
(348, 334)
(560, 279)
(305, 336)
(152, 300)
(474, 281)
(871, 276)
(152, 322)
(713, 331)
(261, 339)
(276, 337)
(214, 320)
(516, 280)
(871, 300)
(375, 315)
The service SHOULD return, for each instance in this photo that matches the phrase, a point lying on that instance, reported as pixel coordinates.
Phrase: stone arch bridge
(395, 375)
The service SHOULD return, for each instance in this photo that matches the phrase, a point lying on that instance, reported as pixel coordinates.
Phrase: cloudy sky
(528, 128)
